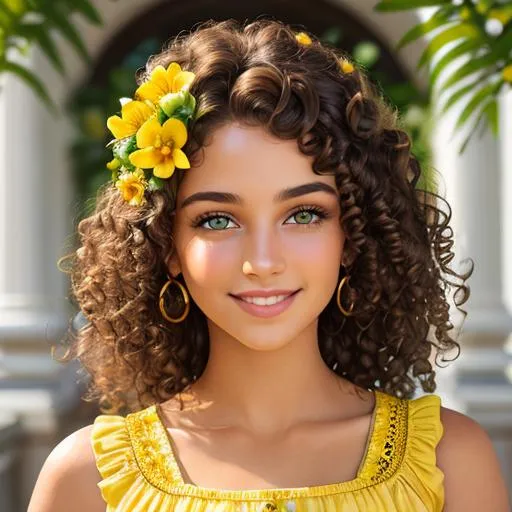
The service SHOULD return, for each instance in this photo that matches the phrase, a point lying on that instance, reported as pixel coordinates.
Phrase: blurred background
(65, 64)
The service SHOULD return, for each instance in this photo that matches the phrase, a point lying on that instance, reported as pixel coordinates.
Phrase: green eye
(218, 223)
(303, 217)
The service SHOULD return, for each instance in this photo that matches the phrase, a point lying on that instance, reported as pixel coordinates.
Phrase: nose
(263, 252)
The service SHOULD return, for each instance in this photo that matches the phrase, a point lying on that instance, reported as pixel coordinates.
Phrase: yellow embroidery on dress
(152, 449)
(391, 450)
(155, 457)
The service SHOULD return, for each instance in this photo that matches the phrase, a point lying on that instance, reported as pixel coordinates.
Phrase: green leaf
(16, 7)
(453, 33)
(155, 183)
(402, 5)
(59, 21)
(88, 10)
(460, 93)
(490, 90)
(39, 34)
(503, 43)
(491, 112)
(7, 17)
(450, 56)
(439, 18)
(123, 148)
(470, 67)
(31, 80)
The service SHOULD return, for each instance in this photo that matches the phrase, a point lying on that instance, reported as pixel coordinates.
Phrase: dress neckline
(158, 463)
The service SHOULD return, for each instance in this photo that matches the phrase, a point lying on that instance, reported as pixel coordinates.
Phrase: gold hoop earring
(338, 298)
(185, 300)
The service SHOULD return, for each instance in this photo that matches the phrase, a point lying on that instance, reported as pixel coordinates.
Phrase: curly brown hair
(398, 238)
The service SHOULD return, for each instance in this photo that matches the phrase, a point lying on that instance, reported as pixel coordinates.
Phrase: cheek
(322, 249)
(208, 263)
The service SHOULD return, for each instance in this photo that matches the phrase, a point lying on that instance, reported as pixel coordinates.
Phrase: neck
(270, 391)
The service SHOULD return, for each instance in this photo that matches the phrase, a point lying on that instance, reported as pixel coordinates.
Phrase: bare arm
(473, 478)
(69, 477)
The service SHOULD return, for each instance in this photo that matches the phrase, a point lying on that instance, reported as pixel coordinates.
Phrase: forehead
(249, 161)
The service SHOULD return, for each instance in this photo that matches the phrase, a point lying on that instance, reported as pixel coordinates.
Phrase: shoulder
(473, 479)
(69, 478)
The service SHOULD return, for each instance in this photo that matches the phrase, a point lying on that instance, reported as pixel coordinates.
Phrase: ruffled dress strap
(124, 487)
(420, 480)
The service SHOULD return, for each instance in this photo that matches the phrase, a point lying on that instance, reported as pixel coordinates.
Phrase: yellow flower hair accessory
(346, 66)
(303, 38)
(150, 133)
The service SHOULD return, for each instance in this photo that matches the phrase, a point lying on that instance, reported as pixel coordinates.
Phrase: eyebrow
(283, 195)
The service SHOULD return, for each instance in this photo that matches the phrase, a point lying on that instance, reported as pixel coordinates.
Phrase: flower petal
(165, 169)
(172, 70)
(136, 112)
(146, 158)
(183, 80)
(119, 127)
(148, 133)
(148, 91)
(180, 159)
(160, 77)
(173, 130)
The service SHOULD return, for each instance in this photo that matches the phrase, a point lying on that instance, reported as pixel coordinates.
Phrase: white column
(35, 222)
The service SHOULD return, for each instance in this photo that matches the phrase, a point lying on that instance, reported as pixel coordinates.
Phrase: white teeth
(265, 301)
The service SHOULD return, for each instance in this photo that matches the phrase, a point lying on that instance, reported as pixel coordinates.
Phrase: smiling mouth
(266, 306)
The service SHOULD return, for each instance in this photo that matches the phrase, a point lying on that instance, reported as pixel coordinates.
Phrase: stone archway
(132, 14)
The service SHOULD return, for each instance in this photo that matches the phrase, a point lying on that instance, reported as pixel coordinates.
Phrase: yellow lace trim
(157, 462)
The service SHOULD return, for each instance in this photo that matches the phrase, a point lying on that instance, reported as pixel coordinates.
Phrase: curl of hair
(397, 236)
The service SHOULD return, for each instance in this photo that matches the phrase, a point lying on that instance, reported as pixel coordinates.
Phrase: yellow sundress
(398, 473)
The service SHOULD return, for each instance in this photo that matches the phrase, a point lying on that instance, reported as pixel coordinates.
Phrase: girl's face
(253, 216)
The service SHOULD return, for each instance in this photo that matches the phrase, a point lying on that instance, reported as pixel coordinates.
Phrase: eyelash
(205, 217)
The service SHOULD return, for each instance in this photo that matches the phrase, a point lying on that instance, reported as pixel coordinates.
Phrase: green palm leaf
(402, 5)
(39, 34)
(460, 93)
(439, 18)
(55, 17)
(31, 80)
(489, 90)
(503, 43)
(491, 112)
(464, 30)
(470, 67)
(87, 9)
(450, 56)
(7, 17)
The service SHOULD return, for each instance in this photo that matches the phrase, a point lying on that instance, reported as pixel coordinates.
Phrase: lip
(266, 311)
(263, 293)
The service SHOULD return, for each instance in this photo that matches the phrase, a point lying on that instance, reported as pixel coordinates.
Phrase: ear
(172, 263)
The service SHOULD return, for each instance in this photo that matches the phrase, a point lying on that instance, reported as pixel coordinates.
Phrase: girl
(264, 286)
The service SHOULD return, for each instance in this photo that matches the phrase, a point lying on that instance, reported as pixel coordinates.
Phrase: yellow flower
(133, 115)
(132, 186)
(507, 73)
(161, 147)
(346, 66)
(162, 82)
(303, 38)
